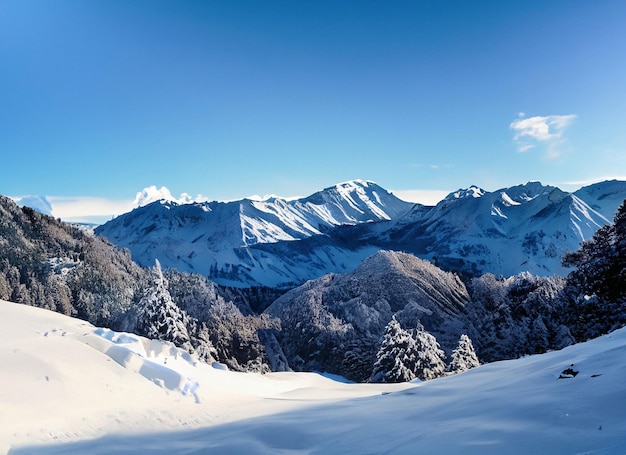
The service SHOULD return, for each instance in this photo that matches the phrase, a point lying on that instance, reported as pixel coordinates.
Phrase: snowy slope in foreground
(64, 381)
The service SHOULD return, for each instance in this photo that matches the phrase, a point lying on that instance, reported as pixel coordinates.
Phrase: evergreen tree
(395, 359)
(431, 360)
(405, 355)
(600, 277)
(538, 337)
(601, 261)
(158, 317)
(463, 357)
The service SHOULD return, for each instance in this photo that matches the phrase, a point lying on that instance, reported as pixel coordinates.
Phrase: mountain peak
(473, 191)
(359, 201)
(356, 183)
(529, 191)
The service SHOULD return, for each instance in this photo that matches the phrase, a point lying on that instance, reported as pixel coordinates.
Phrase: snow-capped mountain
(523, 228)
(225, 240)
(279, 243)
(604, 197)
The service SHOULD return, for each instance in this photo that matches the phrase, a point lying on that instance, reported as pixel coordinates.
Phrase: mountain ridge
(219, 237)
(282, 243)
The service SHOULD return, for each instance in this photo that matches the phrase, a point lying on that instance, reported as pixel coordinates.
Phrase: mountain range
(282, 243)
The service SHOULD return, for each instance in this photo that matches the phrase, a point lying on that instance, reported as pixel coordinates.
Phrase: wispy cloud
(547, 130)
(88, 209)
(575, 184)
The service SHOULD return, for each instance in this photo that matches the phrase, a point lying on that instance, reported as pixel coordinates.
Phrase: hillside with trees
(50, 264)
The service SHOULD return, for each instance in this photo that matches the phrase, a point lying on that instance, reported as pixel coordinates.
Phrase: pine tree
(431, 360)
(538, 337)
(158, 317)
(408, 354)
(601, 261)
(463, 357)
(396, 356)
(616, 281)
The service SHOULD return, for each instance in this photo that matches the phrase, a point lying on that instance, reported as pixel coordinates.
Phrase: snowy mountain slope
(334, 323)
(604, 197)
(524, 228)
(64, 379)
(280, 243)
(218, 239)
(70, 388)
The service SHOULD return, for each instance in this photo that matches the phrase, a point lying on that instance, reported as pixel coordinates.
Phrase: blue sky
(228, 99)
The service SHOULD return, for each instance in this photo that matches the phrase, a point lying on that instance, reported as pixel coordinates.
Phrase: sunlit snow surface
(70, 388)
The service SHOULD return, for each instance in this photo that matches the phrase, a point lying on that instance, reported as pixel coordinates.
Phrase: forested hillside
(57, 266)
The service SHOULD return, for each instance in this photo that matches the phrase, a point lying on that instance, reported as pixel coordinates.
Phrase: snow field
(63, 379)
(70, 388)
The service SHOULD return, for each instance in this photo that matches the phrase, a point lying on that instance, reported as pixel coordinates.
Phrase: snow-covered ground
(67, 387)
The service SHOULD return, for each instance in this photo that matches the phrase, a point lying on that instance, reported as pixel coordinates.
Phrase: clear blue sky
(232, 98)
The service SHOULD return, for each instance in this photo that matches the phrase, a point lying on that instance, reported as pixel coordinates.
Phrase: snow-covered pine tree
(538, 337)
(395, 359)
(431, 360)
(408, 354)
(601, 261)
(463, 357)
(599, 275)
(158, 317)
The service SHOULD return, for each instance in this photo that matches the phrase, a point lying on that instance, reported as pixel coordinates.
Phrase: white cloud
(547, 130)
(525, 148)
(574, 185)
(152, 194)
(426, 197)
(80, 208)
(39, 203)
(99, 210)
